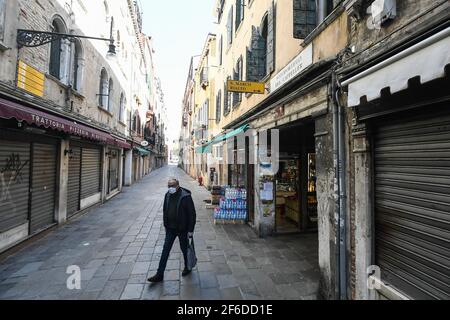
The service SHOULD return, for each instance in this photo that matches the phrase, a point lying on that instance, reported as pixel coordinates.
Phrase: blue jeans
(171, 235)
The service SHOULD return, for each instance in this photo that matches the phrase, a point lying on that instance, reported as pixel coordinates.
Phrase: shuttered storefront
(14, 183)
(412, 204)
(43, 186)
(73, 188)
(113, 170)
(90, 172)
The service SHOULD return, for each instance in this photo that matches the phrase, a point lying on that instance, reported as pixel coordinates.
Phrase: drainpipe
(336, 184)
(341, 189)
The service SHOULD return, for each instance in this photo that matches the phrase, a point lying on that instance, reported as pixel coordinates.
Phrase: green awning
(142, 151)
(230, 134)
(206, 148)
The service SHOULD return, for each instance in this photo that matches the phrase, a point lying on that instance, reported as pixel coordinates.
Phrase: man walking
(179, 220)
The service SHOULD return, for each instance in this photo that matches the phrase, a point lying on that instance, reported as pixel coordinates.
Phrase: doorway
(295, 182)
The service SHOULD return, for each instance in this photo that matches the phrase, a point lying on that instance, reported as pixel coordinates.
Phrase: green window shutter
(218, 103)
(304, 18)
(225, 100)
(2, 19)
(256, 56)
(55, 58)
(271, 40)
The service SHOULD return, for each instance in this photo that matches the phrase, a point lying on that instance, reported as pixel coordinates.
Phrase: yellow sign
(245, 86)
(30, 79)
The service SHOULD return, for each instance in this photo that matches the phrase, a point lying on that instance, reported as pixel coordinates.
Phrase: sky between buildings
(179, 29)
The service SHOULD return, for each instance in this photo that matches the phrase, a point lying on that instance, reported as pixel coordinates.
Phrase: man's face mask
(172, 190)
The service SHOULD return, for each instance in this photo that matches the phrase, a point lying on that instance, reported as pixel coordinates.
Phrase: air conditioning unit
(383, 11)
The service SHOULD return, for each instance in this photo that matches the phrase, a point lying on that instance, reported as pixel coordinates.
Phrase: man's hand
(190, 234)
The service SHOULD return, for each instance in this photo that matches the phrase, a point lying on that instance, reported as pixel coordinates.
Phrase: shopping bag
(191, 257)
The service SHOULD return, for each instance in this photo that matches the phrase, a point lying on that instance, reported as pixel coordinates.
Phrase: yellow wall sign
(245, 86)
(30, 79)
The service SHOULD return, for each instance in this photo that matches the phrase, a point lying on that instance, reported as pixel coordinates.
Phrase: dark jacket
(186, 212)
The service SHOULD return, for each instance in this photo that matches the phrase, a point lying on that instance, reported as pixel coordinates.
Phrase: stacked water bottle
(233, 206)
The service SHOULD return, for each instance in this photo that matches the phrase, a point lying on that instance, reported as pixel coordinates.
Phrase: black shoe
(186, 272)
(156, 278)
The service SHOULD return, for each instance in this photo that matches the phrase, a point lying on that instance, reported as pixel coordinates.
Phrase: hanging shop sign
(246, 86)
(30, 79)
(144, 143)
(294, 68)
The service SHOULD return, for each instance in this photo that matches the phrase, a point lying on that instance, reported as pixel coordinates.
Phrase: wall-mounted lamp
(68, 152)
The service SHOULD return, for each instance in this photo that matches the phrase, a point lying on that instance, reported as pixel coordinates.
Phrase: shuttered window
(239, 12)
(270, 42)
(230, 27)
(221, 51)
(305, 17)
(218, 105)
(237, 97)
(256, 56)
(2, 19)
(226, 99)
(14, 183)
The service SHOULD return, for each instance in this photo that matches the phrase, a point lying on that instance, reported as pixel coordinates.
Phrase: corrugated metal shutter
(412, 205)
(14, 183)
(43, 186)
(90, 172)
(73, 188)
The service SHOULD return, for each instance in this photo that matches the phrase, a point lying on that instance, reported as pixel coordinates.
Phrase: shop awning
(142, 151)
(12, 110)
(206, 148)
(426, 59)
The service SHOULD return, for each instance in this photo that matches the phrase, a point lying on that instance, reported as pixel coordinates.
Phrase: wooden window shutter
(271, 40)
(2, 19)
(55, 58)
(230, 26)
(304, 18)
(225, 100)
(256, 56)
(218, 104)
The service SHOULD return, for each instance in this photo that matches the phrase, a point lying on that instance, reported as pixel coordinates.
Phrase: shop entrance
(295, 182)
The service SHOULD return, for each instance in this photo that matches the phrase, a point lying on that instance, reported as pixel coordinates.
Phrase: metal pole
(336, 184)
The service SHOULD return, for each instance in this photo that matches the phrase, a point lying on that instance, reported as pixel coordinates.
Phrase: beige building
(73, 109)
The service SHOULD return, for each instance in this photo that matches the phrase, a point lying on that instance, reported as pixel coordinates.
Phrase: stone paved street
(118, 245)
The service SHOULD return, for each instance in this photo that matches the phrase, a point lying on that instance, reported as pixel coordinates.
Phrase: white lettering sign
(294, 68)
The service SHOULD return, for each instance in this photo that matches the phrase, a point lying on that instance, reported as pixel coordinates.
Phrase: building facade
(337, 144)
(72, 113)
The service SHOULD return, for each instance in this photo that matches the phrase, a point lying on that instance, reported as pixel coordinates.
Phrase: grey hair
(175, 180)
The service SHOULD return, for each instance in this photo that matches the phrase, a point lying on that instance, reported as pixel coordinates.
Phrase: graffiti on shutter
(304, 18)
(271, 40)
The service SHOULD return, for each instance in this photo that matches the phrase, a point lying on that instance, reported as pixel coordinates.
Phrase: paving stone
(128, 258)
(132, 291)
(171, 288)
(141, 268)
(210, 294)
(233, 293)
(208, 280)
(122, 271)
(97, 284)
(112, 290)
(190, 292)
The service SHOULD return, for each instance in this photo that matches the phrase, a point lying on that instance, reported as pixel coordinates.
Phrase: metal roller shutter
(90, 172)
(73, 188)
(43, 186)
(14, 183)
(412, 205)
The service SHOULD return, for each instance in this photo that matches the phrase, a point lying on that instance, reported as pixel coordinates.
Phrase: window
(237, 97)
(122, 108)
(220, 10)
(308, 15)
(103, 89)
(261, 53)
(221, 51)
(59, 51)
(239, 12)
(218, 105)
(2, 19)
(78, 66)
(226, 99)
(230, 27)
(110, 94)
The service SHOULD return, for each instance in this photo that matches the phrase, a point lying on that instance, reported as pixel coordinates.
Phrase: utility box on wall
(383, 11)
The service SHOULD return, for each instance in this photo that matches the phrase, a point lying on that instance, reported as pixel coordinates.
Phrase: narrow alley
(118, 245)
